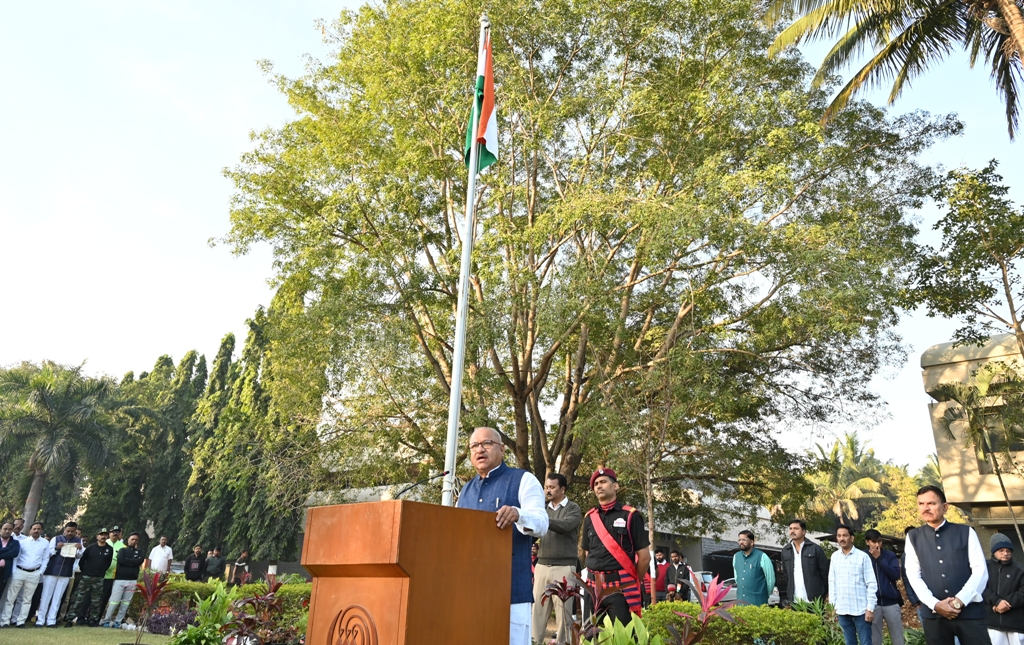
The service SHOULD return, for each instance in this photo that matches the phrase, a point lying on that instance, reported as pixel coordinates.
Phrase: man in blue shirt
(753, 570)
(852, 588)
(887, 573)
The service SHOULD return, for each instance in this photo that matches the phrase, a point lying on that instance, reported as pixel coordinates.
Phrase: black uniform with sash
(611, 548)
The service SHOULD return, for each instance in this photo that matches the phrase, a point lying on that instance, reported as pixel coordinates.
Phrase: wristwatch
(956, 604)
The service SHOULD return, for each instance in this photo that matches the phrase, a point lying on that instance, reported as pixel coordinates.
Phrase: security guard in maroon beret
(616, 543)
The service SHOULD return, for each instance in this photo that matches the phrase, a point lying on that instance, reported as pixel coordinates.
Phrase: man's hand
(944, 609)
(875, 549)
(1002, 607)
(507, 516)
(869, 616)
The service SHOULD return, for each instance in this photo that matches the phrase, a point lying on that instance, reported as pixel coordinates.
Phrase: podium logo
(353, 626)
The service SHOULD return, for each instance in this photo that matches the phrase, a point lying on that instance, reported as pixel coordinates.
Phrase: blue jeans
(854, 627)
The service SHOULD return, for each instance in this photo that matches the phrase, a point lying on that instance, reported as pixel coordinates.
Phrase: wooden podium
(407, 573)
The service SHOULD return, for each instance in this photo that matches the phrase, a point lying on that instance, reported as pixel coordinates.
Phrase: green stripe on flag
(485, 157)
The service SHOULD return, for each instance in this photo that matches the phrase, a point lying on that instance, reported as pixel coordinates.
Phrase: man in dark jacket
(129, 559)
(93, 564)
(1004, 594)
(810, 581)
(195, 564)
(678, 575)
(9, 550)
(887, 572)
(215, 565)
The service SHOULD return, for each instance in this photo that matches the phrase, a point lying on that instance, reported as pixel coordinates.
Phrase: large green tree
(666, 190)
(53, 424)
(977, 273)
(245, 472)
(905, 38)
(146, 486)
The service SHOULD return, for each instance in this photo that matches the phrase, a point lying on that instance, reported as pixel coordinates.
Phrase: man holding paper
(65, 549)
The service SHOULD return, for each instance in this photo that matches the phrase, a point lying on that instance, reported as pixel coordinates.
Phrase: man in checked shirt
(852, 588)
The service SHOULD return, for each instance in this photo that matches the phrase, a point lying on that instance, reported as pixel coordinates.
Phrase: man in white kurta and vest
(516, 498)
(947, 569)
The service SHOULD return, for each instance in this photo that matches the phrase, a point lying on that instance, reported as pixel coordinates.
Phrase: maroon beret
(603, 472)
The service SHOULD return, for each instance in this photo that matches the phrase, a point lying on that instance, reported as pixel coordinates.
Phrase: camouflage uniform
(91, 586)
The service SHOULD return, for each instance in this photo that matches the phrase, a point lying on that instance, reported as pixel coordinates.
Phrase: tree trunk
(1011, 13)
(999, 476)
(35, 496)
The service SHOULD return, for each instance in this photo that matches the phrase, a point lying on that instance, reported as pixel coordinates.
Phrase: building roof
(947, 353)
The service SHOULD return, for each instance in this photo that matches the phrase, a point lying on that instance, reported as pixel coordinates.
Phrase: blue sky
(116, 119)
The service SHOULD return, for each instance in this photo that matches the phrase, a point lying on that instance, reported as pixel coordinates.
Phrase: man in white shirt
(26, 574)
(517, 498)
(160, 557)
(946, 567)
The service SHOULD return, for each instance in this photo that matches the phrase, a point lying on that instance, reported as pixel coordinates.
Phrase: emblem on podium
(353, 626)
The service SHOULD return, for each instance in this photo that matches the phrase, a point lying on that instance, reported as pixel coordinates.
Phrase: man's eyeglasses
(486, 445)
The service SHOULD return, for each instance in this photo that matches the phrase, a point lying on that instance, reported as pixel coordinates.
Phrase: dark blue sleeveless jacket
(501, 488)
(59, 565)
(945, 564)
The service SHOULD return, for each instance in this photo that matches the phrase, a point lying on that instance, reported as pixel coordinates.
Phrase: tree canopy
(667, 194)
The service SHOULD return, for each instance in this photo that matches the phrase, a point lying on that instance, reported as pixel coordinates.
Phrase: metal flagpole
(459, 355)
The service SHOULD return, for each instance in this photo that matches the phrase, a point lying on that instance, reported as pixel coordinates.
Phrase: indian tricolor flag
(484, 116)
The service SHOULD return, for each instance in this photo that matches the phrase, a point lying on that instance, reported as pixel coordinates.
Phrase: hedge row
(755, 624)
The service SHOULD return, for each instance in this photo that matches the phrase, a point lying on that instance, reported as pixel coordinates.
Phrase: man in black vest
(810, 581)
(946, 567)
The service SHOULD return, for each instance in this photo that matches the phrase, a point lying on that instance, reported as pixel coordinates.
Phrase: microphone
(419, 483)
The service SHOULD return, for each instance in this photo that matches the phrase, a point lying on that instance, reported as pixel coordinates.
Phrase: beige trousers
(544, 575)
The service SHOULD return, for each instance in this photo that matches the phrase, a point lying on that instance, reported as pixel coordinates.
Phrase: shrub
(762, 624)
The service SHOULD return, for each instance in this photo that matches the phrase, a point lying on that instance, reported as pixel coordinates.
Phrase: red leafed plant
(711, 605)
(253, 620)
(151, 588)
(595, 593)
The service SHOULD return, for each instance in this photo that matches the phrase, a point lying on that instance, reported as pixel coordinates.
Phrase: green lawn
(74, 636)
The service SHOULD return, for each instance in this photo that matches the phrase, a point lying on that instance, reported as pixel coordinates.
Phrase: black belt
(28, 570)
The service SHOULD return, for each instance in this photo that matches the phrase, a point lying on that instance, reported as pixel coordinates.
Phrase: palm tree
(51, 419)
(908, 36)
(848, 475)
(978, 410)
(930, 474)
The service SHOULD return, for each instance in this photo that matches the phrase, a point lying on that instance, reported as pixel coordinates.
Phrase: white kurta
(533, 521)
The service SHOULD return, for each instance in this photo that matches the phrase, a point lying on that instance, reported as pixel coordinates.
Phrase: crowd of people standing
(960, 596)
(69, 580)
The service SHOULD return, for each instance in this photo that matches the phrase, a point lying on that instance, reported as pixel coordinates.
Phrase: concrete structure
(967, 477)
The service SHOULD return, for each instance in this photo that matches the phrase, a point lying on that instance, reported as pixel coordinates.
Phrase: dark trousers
(37, 597)
(616, 608)
(942, 631)
(855, 628)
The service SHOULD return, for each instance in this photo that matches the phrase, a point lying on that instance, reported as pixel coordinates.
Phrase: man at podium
(516, 498)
